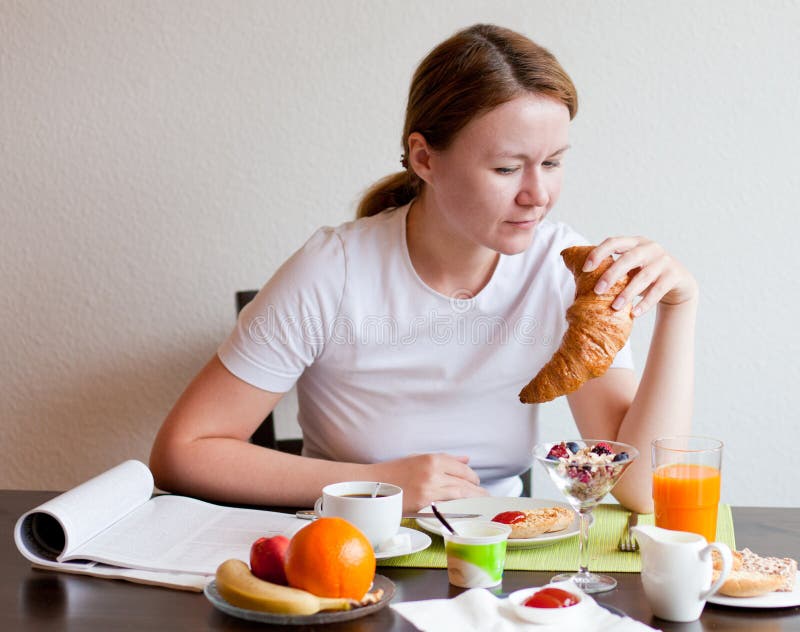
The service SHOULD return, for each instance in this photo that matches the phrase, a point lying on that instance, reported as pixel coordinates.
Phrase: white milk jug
(676, 571)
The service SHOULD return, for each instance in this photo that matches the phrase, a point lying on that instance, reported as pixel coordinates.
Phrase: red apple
(267, 558)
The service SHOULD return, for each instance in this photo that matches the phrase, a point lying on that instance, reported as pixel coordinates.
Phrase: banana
(239, 587)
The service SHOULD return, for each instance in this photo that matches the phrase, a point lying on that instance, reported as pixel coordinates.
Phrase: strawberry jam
(551, 598)
(509, 517)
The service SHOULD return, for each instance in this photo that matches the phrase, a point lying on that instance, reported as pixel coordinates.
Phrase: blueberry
(622, 456)
(551, 457)
(573, 447)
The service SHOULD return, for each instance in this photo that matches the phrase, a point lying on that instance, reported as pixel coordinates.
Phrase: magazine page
(51, 531)
(178, 581)
(180, 534)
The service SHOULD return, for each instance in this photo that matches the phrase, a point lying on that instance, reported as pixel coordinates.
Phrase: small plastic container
(569, 615)
(477, 555)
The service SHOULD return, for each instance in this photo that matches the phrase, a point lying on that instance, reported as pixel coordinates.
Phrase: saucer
(419, 542)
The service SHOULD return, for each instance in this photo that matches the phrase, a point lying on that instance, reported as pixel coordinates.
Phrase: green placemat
(609, 521)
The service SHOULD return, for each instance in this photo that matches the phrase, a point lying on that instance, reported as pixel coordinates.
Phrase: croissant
(594, 336)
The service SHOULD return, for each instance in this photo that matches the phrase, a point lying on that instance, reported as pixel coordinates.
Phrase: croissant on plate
(594, 336)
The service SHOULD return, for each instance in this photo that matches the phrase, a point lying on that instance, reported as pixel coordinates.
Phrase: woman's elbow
(639, 505)
(635, 496)
(164, 465)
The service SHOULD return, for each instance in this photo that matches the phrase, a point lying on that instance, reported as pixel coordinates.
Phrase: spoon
(441, 519)
(376, 490)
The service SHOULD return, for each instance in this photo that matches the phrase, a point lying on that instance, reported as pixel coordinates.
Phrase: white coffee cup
(378, 518)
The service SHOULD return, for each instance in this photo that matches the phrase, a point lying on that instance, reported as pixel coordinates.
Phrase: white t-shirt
(387, 367)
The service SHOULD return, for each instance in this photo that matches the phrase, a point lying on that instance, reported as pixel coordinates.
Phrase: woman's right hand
(429, 477)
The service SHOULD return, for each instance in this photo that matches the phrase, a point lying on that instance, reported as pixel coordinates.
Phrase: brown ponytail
(394, 190)
(468, 74)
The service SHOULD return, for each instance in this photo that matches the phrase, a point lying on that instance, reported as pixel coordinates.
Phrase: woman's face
(502, 173)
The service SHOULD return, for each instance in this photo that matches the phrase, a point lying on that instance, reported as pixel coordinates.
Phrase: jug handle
(727, 565)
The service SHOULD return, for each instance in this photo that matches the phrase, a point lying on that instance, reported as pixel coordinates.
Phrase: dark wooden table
(43, 600)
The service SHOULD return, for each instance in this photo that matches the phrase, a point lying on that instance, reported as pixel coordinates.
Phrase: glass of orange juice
(686, 483)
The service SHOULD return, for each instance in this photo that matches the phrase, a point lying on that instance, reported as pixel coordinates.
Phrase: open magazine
(112, 526)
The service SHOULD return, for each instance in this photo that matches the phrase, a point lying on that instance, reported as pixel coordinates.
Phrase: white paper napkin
(478, 610)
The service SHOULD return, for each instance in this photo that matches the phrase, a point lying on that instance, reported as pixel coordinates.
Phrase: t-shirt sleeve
(285, 327)
(565, 237)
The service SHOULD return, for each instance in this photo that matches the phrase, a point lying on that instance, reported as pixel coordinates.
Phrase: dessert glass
(585, 478)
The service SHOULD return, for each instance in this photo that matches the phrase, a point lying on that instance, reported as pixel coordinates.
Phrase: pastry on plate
(754, 575)
(529, 523)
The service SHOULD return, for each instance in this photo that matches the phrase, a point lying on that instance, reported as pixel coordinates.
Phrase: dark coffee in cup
(379, 517)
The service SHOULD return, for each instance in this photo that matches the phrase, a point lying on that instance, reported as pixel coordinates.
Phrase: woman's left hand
(660, 278)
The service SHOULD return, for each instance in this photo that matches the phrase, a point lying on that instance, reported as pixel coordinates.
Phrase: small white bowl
(570, 614)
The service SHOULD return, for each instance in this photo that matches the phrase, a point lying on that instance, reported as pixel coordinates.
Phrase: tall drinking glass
(686, 483)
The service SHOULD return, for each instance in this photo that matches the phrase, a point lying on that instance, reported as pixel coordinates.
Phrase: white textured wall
(156, 156)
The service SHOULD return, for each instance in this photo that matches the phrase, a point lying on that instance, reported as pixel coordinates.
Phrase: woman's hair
(468, 74)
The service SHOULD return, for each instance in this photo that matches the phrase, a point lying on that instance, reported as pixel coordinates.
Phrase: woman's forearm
(234, 471)
(231, 470)
(664, 400)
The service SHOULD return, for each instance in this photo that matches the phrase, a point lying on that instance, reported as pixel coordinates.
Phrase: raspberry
(601, 448)
(558, 451)
(584, 476)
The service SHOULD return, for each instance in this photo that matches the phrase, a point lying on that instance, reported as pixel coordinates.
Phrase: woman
(410, 331)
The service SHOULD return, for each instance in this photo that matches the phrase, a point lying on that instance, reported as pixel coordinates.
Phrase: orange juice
(686, 498)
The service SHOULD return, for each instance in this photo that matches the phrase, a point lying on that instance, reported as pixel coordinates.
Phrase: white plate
(488, 507)
(419, 542)
(770, 600)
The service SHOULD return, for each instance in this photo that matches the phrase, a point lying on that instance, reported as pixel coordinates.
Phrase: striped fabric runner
(609, 521)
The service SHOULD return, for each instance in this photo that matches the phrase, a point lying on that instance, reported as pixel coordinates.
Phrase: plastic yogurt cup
(476, 556)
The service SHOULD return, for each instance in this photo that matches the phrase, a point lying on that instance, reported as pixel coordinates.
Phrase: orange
(331, 558)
